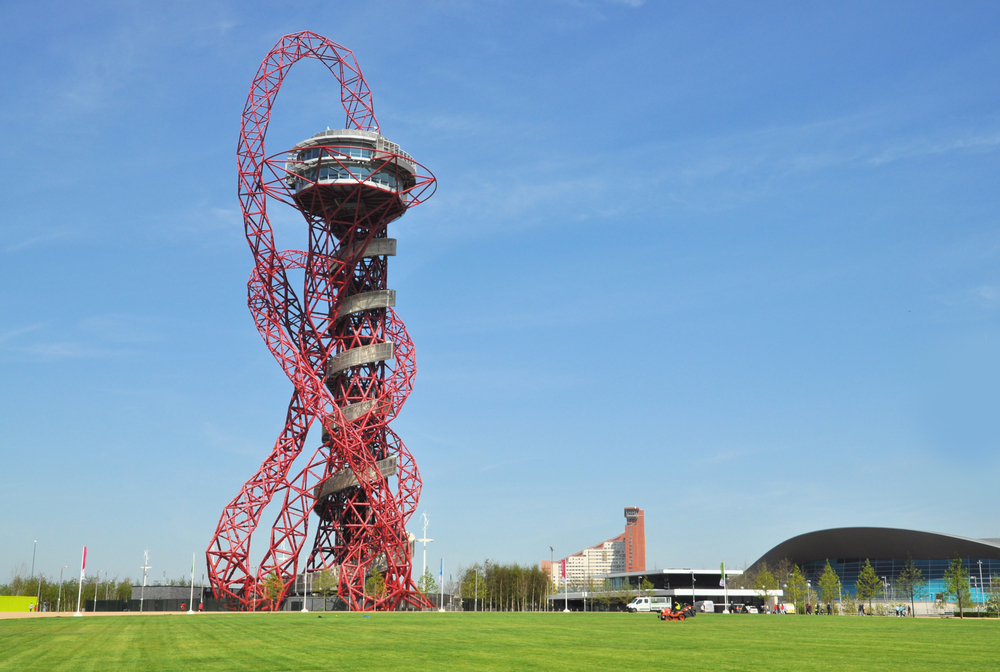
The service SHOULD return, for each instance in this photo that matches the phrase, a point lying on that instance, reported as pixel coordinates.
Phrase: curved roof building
(847, 548)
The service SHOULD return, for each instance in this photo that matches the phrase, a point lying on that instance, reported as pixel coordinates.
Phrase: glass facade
(360, 173)
(336, 152)
(334, 171)
(933, 570)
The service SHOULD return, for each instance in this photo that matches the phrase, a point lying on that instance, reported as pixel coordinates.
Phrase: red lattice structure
(341, 344)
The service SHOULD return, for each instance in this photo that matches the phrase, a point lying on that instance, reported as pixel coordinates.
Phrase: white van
(704, 606)
(656, 604)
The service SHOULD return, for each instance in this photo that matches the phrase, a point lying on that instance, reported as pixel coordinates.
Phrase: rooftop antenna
(424, 540)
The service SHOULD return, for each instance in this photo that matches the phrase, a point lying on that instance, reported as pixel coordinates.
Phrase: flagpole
(79, 594)
(725, 586)
(191, 603)
(441, 586)
(565, 586)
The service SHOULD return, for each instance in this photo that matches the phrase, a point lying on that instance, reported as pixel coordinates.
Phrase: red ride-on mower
(687, 611)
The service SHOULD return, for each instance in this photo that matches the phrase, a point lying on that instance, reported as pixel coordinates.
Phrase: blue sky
(733, 263)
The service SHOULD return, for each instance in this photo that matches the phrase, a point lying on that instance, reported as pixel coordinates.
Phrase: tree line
(503, 587)
(48, 591)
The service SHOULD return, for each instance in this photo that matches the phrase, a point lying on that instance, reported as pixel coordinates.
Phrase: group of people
(902, 610)
(818, 609)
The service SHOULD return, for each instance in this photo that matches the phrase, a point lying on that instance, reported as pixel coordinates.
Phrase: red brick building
(635, 540)
(624, 553)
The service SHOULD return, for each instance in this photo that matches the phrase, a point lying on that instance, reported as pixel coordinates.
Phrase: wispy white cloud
(14, 333)
(988, 295)
(918, 148)
(123, 328)
(38, 240)
(72, 350)
(92, 337)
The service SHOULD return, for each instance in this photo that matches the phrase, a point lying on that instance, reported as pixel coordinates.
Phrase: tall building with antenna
(635, 540)
(623, 553)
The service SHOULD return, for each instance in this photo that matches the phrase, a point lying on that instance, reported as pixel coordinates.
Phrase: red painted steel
(361, 528)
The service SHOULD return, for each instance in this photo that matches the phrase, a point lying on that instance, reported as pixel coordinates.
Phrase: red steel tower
(339, 341)
(635, 539)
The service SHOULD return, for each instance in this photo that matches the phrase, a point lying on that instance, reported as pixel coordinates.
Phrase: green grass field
(420, 641)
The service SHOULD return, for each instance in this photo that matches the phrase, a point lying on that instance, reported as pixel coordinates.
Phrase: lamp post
(552, 567)
(809, 586)
(59, 601)
(33, 549)
(424, 540)
(97, 582)
(305, 589)
(145, 566)
(980, 563)
(475, 605)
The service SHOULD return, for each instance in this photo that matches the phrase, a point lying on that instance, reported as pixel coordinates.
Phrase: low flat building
(685, 586)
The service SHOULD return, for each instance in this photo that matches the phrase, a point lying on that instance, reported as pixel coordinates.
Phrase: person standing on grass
(861, 609)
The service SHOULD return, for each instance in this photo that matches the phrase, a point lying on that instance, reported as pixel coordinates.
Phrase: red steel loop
(346, 352)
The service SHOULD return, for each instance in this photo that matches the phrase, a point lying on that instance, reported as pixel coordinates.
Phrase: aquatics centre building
(847, 549)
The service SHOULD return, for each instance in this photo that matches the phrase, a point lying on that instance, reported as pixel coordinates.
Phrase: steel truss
(362, 527)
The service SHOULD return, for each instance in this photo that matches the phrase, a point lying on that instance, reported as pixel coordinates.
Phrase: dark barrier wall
(210, 604)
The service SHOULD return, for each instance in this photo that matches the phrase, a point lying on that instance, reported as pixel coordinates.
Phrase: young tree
(273, 587)
(646, 587)
(797, 589)
(868, 585)
(829, 585)
(956, 584)
(323, 582)
(911, 583)
(764, 582)
(993, 595)
(375, 585)
(427, 585)
(783, 571)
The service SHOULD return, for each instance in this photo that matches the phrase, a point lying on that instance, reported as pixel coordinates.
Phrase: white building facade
(592, 564)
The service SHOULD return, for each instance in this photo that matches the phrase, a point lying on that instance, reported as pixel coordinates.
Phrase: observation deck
(348, 174)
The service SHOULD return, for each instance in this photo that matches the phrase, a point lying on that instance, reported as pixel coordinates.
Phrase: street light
(145, 566)
(59, 601)
(305, 589)
(980, 563)
(33, 549)
(97, 583)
